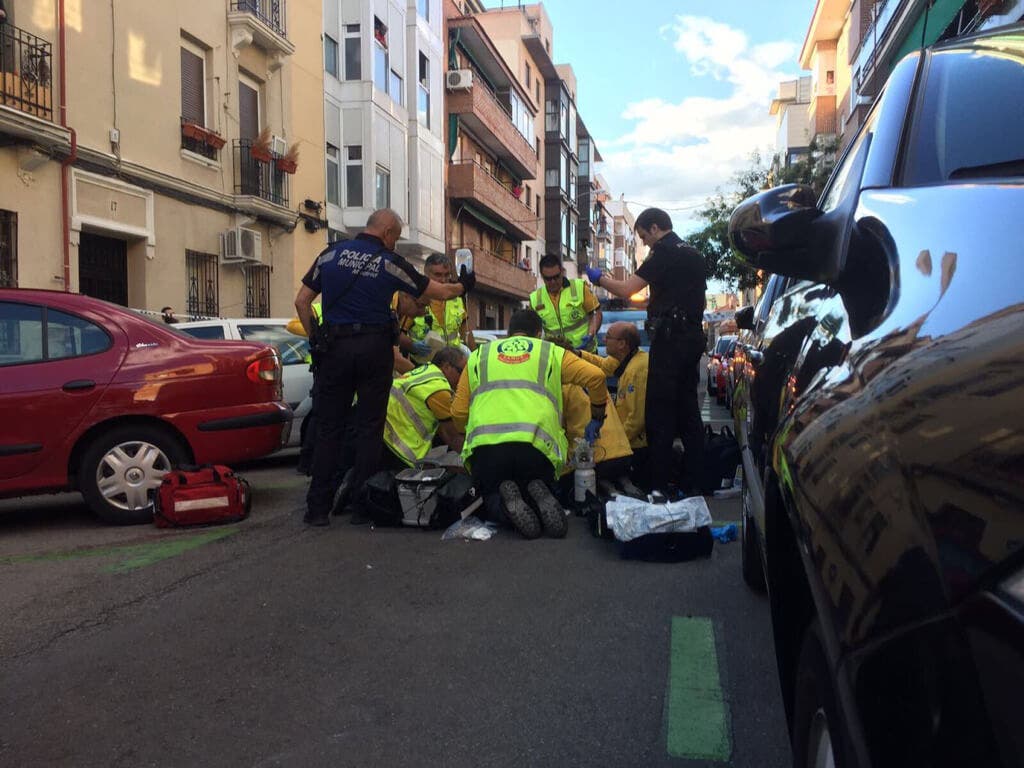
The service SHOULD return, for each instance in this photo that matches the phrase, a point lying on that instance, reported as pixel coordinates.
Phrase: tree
(721, 260)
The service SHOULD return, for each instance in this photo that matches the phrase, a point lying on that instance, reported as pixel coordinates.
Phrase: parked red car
(98, 398)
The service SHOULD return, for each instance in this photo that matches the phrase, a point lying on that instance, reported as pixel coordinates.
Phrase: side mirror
(772, 230)
(744, 318)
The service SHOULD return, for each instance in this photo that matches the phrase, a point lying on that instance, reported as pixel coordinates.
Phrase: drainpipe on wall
(73, 155)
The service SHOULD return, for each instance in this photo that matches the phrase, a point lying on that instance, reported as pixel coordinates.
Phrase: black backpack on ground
(721, 458)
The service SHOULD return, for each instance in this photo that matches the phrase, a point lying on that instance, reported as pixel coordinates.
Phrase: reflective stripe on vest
(411, 425)
(515, 395)
(569, 299)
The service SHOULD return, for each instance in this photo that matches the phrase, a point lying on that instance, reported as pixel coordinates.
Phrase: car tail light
(266, 368)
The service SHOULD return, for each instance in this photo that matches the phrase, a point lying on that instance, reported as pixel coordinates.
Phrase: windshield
(637, 317)
(292, 349)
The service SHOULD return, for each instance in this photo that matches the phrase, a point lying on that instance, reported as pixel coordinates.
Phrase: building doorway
(103, 268)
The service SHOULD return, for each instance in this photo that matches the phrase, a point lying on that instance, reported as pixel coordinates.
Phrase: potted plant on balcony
(191, 130)
(214, 140)
(290, 162)
(260, 147)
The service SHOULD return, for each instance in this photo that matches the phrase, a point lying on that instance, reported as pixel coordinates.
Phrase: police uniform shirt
(675, 273)
(365, 275)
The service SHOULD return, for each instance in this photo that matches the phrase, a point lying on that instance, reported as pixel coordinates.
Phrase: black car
(880, 409)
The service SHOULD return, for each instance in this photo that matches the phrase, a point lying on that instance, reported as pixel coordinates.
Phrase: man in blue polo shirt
(356, 280)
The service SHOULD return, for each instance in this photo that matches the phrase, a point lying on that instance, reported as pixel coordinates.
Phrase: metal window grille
(270, 12)
(8, 249)
(258, 177)
(257, 290)
(203, 284)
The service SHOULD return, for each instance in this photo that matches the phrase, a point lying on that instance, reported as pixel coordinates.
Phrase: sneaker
(552, 516)
(318, 521)
(517, 511)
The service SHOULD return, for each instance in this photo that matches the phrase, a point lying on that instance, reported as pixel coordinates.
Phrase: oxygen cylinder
(585, 477)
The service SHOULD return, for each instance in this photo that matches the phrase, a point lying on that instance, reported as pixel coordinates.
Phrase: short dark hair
(164, 309)
(451, 355)
(654, 217)
(437, 259)
(527, 322)
(549, 260)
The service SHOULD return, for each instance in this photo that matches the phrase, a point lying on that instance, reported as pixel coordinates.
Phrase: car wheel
(817, 736)
(753, 568)
(122, 467)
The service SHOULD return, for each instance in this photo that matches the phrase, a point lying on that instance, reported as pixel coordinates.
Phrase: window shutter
(248, 112)
(192, 96)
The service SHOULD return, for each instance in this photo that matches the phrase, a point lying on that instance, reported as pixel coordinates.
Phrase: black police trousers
(357, 365)
(672, 407)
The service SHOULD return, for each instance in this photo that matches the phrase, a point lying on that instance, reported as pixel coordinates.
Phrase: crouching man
(510, 400)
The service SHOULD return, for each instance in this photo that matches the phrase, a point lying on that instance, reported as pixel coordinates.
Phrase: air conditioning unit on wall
(459, 79)
(241, 245)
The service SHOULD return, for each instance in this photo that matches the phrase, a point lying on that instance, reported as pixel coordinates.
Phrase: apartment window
(423, 91)
(257, 290)
(330, 55)
(353, 55)
(563, 176)
(203, 281)
(521, 117)
(380, 55)
(536, 90)
(572, 236)
(527, 74)
(354, 176)
(551, 115)
(585, 157)
(8, 249)
(395, 89)
(423, 9)
(383, 188)
(333, 171)
(249, 121)
(193, 85)
(334, 235)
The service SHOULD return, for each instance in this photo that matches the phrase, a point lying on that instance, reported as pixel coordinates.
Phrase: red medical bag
(201, 496)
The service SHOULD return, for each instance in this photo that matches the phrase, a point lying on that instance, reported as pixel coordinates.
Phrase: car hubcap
(819, 743)
(128, 472)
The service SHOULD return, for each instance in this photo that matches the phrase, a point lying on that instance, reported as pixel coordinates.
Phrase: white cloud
(677, 154)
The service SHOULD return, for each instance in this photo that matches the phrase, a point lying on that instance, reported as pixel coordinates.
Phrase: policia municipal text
(675, 273)
(355, 347)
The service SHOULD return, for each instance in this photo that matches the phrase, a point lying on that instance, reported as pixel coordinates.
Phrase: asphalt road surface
(268, 644)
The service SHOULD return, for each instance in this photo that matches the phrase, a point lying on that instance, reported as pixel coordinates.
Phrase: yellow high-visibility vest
(411, 425)
(515, 396)
(570, 320)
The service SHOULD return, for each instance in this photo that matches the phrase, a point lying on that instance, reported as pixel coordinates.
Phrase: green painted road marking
(698, 716)
(135, 555)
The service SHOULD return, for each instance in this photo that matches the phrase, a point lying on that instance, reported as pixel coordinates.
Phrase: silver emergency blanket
(630, 518)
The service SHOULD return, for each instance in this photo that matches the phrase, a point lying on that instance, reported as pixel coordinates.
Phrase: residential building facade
(493, 164)
(154, 153)
(860, 42)
(384, 65)
(793, 124)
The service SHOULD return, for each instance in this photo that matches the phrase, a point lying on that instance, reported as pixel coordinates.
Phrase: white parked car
(296, 378)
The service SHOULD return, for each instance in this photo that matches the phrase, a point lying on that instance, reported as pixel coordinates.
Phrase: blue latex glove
(585, 341)
(593, 430)
(594, 274)
(420, 349)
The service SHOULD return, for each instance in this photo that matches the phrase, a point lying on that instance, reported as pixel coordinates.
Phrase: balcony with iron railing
(257, 174)
(468, 180)
(26, 67)
(264, 21)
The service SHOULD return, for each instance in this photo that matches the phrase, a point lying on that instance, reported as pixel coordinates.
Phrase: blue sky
(677, 94)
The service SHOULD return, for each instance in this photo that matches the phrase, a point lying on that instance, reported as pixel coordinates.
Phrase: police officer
(568, 308)
(675, 273)
(357, 279)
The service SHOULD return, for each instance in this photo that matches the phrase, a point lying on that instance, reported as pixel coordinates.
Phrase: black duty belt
(358, 329)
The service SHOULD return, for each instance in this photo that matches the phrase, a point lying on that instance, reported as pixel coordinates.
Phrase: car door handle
(78, 384)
